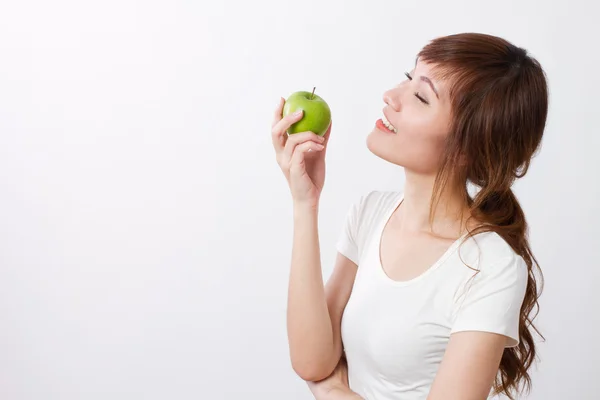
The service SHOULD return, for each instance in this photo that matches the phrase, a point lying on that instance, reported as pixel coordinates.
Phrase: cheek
(425, 130)
(420, 143)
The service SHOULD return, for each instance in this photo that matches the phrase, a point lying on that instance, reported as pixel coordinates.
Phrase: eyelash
(417, 95)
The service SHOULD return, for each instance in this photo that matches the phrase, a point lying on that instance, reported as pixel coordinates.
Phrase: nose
(392, 98)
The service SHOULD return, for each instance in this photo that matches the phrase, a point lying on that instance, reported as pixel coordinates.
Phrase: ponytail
(501, 212)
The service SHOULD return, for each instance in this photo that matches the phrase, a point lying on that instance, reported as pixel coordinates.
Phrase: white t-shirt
(395, 332)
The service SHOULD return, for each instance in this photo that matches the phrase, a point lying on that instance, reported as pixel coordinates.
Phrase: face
(421, 116)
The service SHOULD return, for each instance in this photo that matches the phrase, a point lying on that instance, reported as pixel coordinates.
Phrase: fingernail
(298, 113)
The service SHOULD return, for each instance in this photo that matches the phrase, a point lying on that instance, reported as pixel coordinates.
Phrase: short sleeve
(348, 243)
(492, 300)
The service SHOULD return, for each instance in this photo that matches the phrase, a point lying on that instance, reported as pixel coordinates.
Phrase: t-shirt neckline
(380, 270)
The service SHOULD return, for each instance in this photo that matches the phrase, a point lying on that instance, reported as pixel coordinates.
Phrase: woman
(433, 288)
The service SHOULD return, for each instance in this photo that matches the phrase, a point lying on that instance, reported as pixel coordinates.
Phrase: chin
(382, 148)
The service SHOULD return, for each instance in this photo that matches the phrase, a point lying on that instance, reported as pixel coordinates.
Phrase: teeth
(388, 125)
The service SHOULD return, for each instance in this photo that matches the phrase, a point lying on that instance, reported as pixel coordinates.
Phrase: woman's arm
(335, 386)
(487, 320)
(469, 366)
(467, 371)
(314, 311)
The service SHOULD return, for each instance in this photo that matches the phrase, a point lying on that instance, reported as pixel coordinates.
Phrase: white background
(145, 228)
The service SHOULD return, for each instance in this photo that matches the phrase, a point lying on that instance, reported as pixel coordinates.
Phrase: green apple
(316, 117)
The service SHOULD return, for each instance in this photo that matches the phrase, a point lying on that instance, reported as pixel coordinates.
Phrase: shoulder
(374, 205)
(363, 217)
(494, 258)
(492, 294)
(377, 201)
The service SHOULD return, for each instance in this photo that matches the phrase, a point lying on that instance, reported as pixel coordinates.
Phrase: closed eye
(417, 95)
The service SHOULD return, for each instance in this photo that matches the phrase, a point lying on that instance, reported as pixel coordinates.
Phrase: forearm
(310, 333)
(341, 394)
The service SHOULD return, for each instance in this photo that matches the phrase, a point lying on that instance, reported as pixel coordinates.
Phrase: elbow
(312, 371)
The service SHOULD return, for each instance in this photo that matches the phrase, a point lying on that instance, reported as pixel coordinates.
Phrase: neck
(416, 204)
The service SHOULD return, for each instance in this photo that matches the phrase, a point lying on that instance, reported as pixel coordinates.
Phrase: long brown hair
(499, 101)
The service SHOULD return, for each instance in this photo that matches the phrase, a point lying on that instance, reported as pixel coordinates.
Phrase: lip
(380, 126)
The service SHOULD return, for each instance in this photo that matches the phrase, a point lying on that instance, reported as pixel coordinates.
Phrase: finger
(277, 112)
(327, 133)
(280, 128)
(326, 136)
(297, 161)
(297, 139)
(278, 140)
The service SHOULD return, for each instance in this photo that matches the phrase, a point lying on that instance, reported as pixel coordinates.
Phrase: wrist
(301, 208)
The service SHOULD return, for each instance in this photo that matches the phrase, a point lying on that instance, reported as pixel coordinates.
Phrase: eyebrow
(426, 79)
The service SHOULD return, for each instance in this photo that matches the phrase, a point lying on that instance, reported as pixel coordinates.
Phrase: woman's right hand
(301, 157)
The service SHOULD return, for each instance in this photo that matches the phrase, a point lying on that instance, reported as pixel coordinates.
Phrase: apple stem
(312, 95)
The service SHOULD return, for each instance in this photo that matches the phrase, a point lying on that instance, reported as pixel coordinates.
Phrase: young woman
(433, 289)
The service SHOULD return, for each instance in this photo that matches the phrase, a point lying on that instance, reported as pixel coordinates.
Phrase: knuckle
(306, 147)
(300, 137)
(295, 138)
